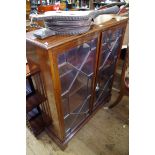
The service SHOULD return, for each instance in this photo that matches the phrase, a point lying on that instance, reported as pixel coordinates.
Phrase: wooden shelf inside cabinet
(77, 99)
(65, 85)
(34, 100)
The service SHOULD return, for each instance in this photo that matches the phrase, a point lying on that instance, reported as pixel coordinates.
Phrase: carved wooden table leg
(124, 89)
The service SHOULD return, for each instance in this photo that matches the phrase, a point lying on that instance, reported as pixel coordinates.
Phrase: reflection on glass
(76, 69)
(110, 46)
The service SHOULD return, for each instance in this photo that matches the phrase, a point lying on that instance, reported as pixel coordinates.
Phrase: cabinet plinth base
(53, 136)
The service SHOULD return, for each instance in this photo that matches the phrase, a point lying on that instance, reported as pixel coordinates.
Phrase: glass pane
(108, 56)
(76, 69)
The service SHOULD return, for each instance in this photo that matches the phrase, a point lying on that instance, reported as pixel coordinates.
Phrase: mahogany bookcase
(78, 73)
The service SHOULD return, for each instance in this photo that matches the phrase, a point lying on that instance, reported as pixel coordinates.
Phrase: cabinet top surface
(101, 23)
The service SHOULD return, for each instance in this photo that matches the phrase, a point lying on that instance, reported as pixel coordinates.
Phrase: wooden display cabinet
(78, 72)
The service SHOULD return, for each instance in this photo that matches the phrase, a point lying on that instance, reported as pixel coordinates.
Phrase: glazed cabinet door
(76, 71)
(110, 46)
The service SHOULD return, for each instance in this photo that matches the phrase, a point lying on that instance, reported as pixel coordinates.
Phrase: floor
(106, 133)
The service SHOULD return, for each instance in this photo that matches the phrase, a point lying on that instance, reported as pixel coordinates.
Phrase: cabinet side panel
(40, 57)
